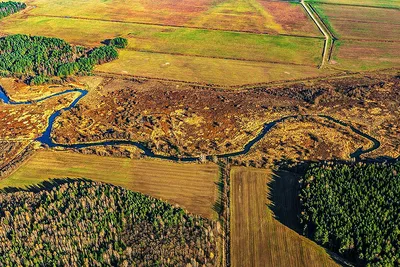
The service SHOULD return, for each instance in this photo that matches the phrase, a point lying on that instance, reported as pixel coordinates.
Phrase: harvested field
(236, 15)
(365, 55)
(364, 23)
(192, 186)
(257, 238)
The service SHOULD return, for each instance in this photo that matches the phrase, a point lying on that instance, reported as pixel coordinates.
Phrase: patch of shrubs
(119, 42)
(37, 58)
(10, 7)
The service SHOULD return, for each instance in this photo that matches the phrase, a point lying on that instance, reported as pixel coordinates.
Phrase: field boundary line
(216, 57)
(370, 40)
(365, 21)
(176, 26)
(352, 5)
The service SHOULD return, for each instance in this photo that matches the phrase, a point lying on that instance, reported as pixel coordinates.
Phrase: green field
(192, 186)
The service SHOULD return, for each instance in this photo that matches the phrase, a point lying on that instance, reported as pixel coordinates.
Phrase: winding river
(46, 139)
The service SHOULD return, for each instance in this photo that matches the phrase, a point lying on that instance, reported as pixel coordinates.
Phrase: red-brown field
(291, 16)
(365, 55)
(364, 23)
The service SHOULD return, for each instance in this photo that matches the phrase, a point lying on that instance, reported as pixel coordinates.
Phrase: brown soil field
(192, 186)
(257, 237)
(180, 119)
(365, 55)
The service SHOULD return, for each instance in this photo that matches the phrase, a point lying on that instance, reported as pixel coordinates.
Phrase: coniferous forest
(83, 223)
(354, 210)
(38, 58)
(10, 7)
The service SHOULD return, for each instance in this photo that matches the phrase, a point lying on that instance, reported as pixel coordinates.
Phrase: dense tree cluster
(10, 7)
(84, 223)
(37, 58)
(119, 42)
(355, 210)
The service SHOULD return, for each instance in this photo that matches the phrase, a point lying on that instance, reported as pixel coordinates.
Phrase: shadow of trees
(45, 185)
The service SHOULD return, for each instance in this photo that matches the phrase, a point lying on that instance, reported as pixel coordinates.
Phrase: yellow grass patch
(205, 70)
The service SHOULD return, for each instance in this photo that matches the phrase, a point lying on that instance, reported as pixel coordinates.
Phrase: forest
(10, 7)
(38, 58)
(354, 210)
(85, 223)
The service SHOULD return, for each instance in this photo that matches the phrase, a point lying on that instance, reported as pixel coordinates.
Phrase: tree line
(84, 223)
(38, 58)
(354, 210)
(10, 7)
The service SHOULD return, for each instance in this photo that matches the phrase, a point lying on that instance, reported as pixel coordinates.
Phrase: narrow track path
(329, 38)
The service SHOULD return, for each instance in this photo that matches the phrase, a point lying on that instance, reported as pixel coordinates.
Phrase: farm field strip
(371, 55)
(205, 70)
(191, 27)
(366, 22)
(215, 57)
(385, 4)
(190, 185)
(238, 15)
(257, 238)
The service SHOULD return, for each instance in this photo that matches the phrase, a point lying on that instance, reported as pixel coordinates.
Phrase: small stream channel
(46, 139)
